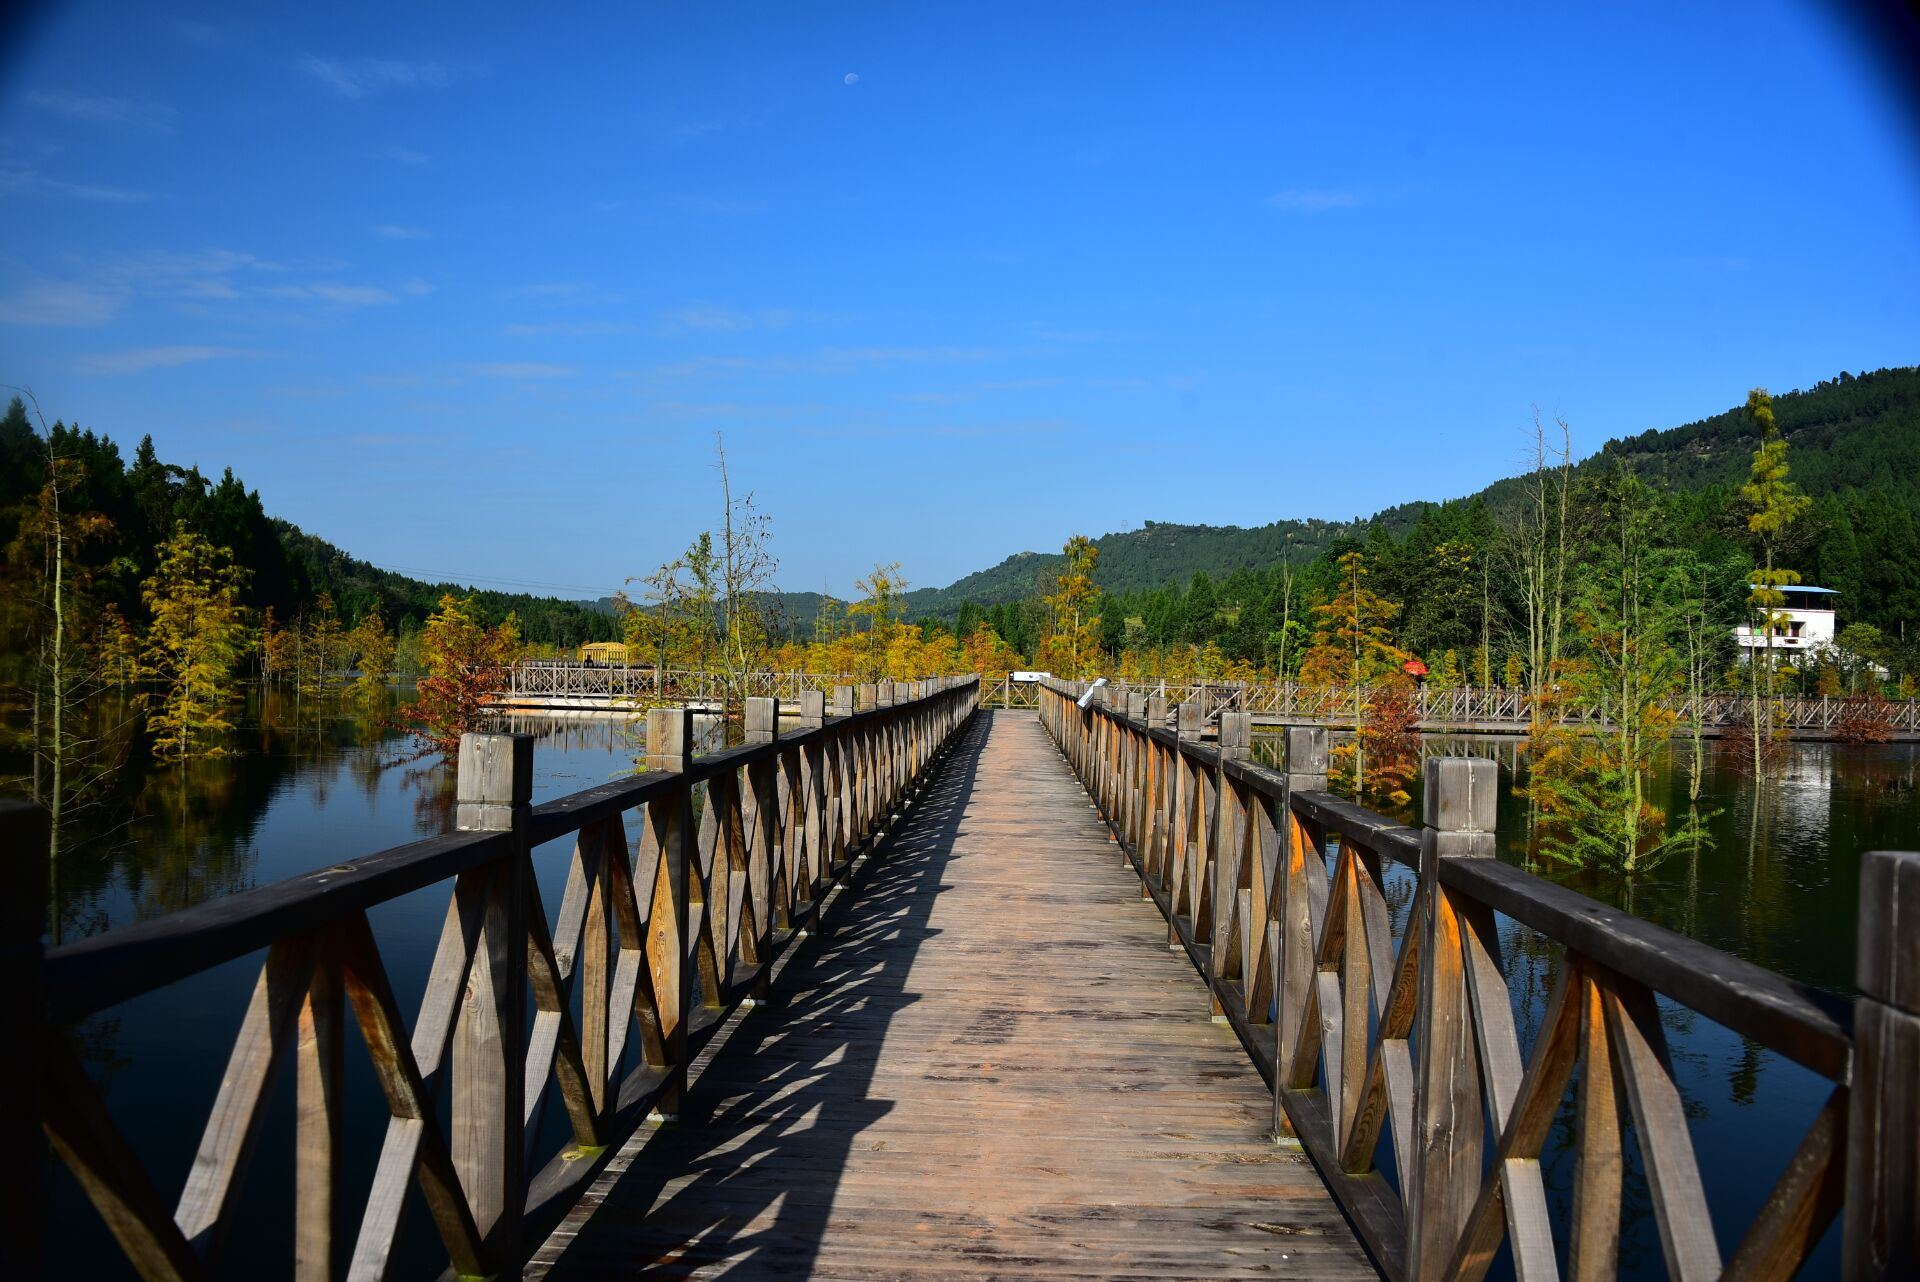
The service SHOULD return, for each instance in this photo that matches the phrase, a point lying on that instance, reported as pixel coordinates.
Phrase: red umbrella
(1414, 668)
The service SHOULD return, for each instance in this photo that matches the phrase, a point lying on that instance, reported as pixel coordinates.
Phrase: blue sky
(471, 295)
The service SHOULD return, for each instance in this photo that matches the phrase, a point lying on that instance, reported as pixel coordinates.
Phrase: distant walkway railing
(537, 680)
(1496, 708)
(661, 934)
(1275, 889)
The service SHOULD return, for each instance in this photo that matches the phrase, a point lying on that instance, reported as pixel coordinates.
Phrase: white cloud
(104, 111)
(363, 77)
(138, 360)
(570, 329)
(61, 302)
(31, 182)
(567, 293)
(335, 293)
(827, 360)
(1018, 428)
(521, 369)
(1315, 200)
(391, 231)
(407, 156)
(713, 317)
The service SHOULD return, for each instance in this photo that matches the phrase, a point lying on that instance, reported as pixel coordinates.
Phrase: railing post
(762, 719)
(669, 949)
(24, 845)
(1192, 717)
(1461, 801)
(1301, 884)
(1881, 1219)
(1226, 849)
(494, 793)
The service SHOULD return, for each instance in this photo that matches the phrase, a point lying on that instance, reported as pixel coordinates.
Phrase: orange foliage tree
(466, 663)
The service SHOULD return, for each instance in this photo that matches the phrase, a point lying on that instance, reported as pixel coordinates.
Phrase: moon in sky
(851, 78)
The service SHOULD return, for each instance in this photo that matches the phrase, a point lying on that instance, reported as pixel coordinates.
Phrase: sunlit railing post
(760, 822)
(24, 842)
(1138, 748)
(494, 793)
(1300, 890)
(1881, 1223)
(1226, 847)
(669, 949)
(1459, 805)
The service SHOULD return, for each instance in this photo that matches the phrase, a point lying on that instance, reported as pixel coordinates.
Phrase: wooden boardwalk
(994, 1067)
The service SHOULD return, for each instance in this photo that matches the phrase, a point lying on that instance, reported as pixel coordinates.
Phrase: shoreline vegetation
(1611, 586)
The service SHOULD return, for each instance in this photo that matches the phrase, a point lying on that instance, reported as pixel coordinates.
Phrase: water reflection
(306, 782)
(1778, 882)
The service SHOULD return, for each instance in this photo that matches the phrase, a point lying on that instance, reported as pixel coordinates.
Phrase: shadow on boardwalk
(994, 1067)
(748, 1175)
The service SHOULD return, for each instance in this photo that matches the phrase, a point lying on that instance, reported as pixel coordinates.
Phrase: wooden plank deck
(993, 1068)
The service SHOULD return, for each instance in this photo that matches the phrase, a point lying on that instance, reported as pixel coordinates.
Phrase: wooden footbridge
(918, 989)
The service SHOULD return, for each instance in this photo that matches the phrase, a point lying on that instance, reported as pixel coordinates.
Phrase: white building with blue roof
(1805, 623)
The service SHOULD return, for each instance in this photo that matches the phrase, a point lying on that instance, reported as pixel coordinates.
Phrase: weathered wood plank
(234, 1124)
(993, 1067)
(83, 1134)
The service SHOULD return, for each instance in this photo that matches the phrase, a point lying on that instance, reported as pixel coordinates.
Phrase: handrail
(534, 679)
(1274, 888)
(1469, 707)
(656, 942)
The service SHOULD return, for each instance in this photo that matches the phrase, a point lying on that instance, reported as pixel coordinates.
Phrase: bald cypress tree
(1776, 504)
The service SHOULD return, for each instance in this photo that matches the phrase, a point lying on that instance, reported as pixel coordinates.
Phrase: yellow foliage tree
(1072, 650)
(370, 648)
(194, 645)
(1353, 637)
(882, 605)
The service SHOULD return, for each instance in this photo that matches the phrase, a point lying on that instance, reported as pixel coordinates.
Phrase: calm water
(313, 785)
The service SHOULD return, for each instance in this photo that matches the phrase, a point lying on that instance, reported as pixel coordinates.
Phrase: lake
(312, 783)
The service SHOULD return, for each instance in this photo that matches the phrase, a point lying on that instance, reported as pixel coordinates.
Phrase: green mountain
(1158, 554)
(1851, 437)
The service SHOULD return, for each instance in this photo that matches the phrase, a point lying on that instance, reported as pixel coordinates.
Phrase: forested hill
(128, 508)
(1854, 435)
(1161, 553)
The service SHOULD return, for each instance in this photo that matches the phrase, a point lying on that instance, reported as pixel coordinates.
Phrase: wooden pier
(917, 990)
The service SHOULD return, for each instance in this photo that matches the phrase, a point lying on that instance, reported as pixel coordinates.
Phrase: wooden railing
(1275, 889)
(567, 678)
(1493, 707)
(1004, 692)
(659, 936)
